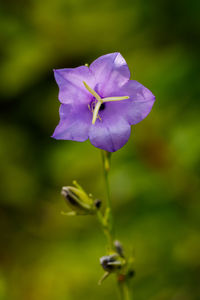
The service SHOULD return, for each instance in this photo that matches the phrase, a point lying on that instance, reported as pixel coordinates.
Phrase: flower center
(100, 103)
(102, 107)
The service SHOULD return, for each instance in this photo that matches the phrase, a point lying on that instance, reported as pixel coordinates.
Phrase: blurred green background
(154, 178)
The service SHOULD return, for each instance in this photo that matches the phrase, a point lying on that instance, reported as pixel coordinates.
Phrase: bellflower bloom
(100, 102)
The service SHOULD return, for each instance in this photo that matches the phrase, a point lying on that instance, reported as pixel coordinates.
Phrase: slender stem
(106, 231)
(108, 218)
(124, 291)
(106, 221)
(106, 169)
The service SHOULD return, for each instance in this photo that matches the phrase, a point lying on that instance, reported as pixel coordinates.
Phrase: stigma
(100, 101)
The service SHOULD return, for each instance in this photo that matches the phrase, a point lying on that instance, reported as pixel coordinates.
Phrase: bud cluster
(117, 263)
(81, 203)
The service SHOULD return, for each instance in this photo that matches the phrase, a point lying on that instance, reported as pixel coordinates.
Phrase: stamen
(89, 108)
(98, 117)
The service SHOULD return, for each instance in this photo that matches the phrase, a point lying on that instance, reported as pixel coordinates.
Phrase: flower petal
(111, 71)
(71, 87)
(74, 124)
(138, 106)
(110, 134)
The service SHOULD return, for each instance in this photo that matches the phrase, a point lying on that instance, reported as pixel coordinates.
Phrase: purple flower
(100, 102)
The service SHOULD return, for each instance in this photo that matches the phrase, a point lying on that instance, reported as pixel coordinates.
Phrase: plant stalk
(107, 222)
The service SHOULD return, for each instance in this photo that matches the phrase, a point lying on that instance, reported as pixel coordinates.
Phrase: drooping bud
(79, 201)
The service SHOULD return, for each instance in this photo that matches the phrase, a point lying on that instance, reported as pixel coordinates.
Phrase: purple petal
(138, 106)
(71, 87)
(74, 123)
(111, 71)
(110, 134)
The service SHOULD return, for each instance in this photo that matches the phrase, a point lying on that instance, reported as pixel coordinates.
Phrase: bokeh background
(154, 178)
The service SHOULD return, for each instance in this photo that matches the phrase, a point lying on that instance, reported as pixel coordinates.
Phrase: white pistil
(95, 112)
(108, 99)
(101, 101)
(92, 91)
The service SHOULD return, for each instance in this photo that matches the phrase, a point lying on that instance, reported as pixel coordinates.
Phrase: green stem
(106, 221)
(124, 291)
(106, 158)
(106, 231)
(108, 218)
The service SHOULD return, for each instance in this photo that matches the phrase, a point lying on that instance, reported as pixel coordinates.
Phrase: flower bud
(110, 263)
(119, 248)
(78, 200)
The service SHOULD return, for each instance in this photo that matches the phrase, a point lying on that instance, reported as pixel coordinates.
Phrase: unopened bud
(110, 263)
(119, 248)
(79, 201)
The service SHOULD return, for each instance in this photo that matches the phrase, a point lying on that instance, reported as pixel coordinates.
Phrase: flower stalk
(113, 262)
(81, 203)
(106, 160)
(124, 290)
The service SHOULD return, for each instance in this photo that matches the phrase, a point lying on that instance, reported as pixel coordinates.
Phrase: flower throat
(99, 104)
